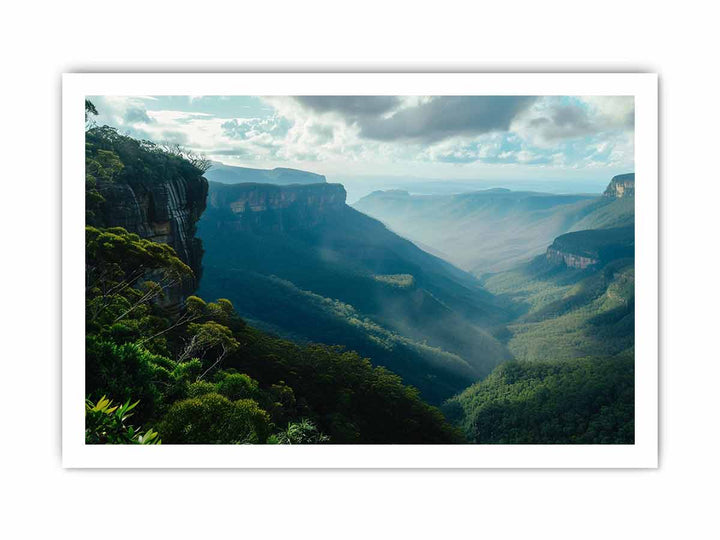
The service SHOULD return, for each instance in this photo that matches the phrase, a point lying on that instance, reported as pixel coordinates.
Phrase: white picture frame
(642, 454)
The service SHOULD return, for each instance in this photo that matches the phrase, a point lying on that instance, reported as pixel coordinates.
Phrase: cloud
(421, 120)
(552, 120)
(350, 106)
(389, 134)
(444, 117)
(562, 122)
(136, 115)
(249, 128)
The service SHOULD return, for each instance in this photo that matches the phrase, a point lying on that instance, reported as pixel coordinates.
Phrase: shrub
(236, 386)
(121, 371)
(105, 424)
(302, 432)
(214, 419)
(200, 388)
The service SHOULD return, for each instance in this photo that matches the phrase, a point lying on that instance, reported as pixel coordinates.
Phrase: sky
(564, 143)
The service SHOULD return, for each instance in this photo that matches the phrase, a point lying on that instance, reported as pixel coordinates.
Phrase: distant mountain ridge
(229, 174)
(482, 231)
(493, 230)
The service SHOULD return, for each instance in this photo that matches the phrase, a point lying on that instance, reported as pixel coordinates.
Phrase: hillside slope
(578, 298)
(297, 260)
(587, 401)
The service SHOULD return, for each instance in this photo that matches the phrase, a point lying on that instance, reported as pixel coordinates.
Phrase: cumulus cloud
(553, 119)
(422, 120)
(353, 134)
(445, 117)
(137, 115)
(351, 106)
(248, 128)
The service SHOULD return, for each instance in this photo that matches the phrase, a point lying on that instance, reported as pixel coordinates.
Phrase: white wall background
(38, 42)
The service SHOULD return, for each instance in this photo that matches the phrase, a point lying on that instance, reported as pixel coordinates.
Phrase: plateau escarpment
(571, 260)
(275, 208)
(165, 212)
(622, 185)
(147, 191)
(583, 249)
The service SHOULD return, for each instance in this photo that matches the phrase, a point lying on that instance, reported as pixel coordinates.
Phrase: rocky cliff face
(165, 212)
(273, 208)
(622, 185)
(571, 260)
(583, 249)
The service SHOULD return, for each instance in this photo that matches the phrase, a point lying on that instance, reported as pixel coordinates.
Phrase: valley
(300, 262)
(337, 276)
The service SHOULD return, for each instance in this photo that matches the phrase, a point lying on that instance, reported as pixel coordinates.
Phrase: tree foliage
(105, 423)
(587, 401)
(302, 432)
(214, 419)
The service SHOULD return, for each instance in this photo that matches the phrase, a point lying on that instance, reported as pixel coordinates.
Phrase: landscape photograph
(372, 269)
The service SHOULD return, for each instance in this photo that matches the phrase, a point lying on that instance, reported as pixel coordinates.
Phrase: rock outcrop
(622, 185)
(273, 208)
(570, 260)
(583, 249)
(165, 212)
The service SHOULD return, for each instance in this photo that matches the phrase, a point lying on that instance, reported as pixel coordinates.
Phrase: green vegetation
(204, 376)
(218, 384)
(566, 313)
(586, 401)
(402, 281)
(606, 213)
(302, 432)
(105, 423)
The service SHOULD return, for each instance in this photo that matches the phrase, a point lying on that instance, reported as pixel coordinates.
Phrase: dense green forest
(588, 401)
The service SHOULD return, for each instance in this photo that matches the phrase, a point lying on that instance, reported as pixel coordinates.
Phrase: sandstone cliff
(571, 260)
(622, 185)
(165, 212)
(273, 208)
(583, 249)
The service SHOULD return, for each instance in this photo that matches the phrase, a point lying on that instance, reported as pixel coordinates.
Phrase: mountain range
(492, 230)
(228, 174)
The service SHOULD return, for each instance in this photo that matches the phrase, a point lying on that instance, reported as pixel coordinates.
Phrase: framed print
(417, 270)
